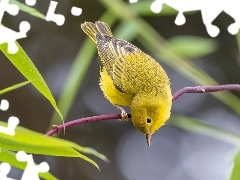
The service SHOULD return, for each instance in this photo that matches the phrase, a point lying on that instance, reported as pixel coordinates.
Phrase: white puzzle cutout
(12, 121)
(10, 130)
(12, 124)
(12, 9)
(4, 170)
(51, 16)
(209, 10)
(76, 11)
(133, 1)
(30, 2)
(31, 171)
(4, 105)
(7, 35)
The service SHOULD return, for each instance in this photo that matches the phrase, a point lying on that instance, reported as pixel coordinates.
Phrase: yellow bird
(129, 77)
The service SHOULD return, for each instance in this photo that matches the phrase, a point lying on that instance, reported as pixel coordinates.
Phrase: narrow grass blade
(16, 86)
(28, 9)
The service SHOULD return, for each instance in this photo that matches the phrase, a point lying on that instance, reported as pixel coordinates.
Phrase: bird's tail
(100, 28)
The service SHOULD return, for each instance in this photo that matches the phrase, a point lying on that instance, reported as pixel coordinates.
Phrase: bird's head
(149, 115)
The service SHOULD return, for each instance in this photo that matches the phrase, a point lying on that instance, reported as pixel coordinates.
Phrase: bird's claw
(55, 127)
(124, 114)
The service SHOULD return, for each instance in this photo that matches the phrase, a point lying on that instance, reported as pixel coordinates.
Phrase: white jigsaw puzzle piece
(30, 2)
(12, 124)
(4, 105)
(133, 1)
(12, 9)
(209, 10)
(4, 170)
(76, 11)
(31, 171)
(51, 16)
(9, 36)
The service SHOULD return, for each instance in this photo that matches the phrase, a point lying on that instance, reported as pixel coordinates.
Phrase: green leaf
(236, 167)
(16, 86)
(79, 68)
(10, 158)
(24, 64)
(28, 9)
(193, 46)
(36, 143)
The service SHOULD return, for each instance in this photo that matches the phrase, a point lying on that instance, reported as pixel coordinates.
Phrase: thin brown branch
(196, 89)
(84, 120)
(202, 89)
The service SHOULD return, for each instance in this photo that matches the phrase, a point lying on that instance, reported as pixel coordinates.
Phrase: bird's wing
(113, 52)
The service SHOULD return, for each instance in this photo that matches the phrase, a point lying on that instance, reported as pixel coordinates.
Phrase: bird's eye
(149, 120)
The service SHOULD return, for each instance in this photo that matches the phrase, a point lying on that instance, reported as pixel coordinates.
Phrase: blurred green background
(201, 139)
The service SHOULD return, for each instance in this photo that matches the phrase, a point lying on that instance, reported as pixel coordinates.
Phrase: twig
(56, 129)
(196, 89)
(202, 89)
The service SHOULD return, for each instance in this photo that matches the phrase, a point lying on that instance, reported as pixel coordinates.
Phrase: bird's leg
(55, 127)
(123, 113)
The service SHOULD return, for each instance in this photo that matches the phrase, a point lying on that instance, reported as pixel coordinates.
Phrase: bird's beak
(148, 137)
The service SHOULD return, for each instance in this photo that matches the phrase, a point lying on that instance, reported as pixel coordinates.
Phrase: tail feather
(103, 28)
(100, 28)
(90, 29)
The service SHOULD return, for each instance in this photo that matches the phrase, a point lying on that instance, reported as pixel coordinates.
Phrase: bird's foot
(123, 114)
(55, 127)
